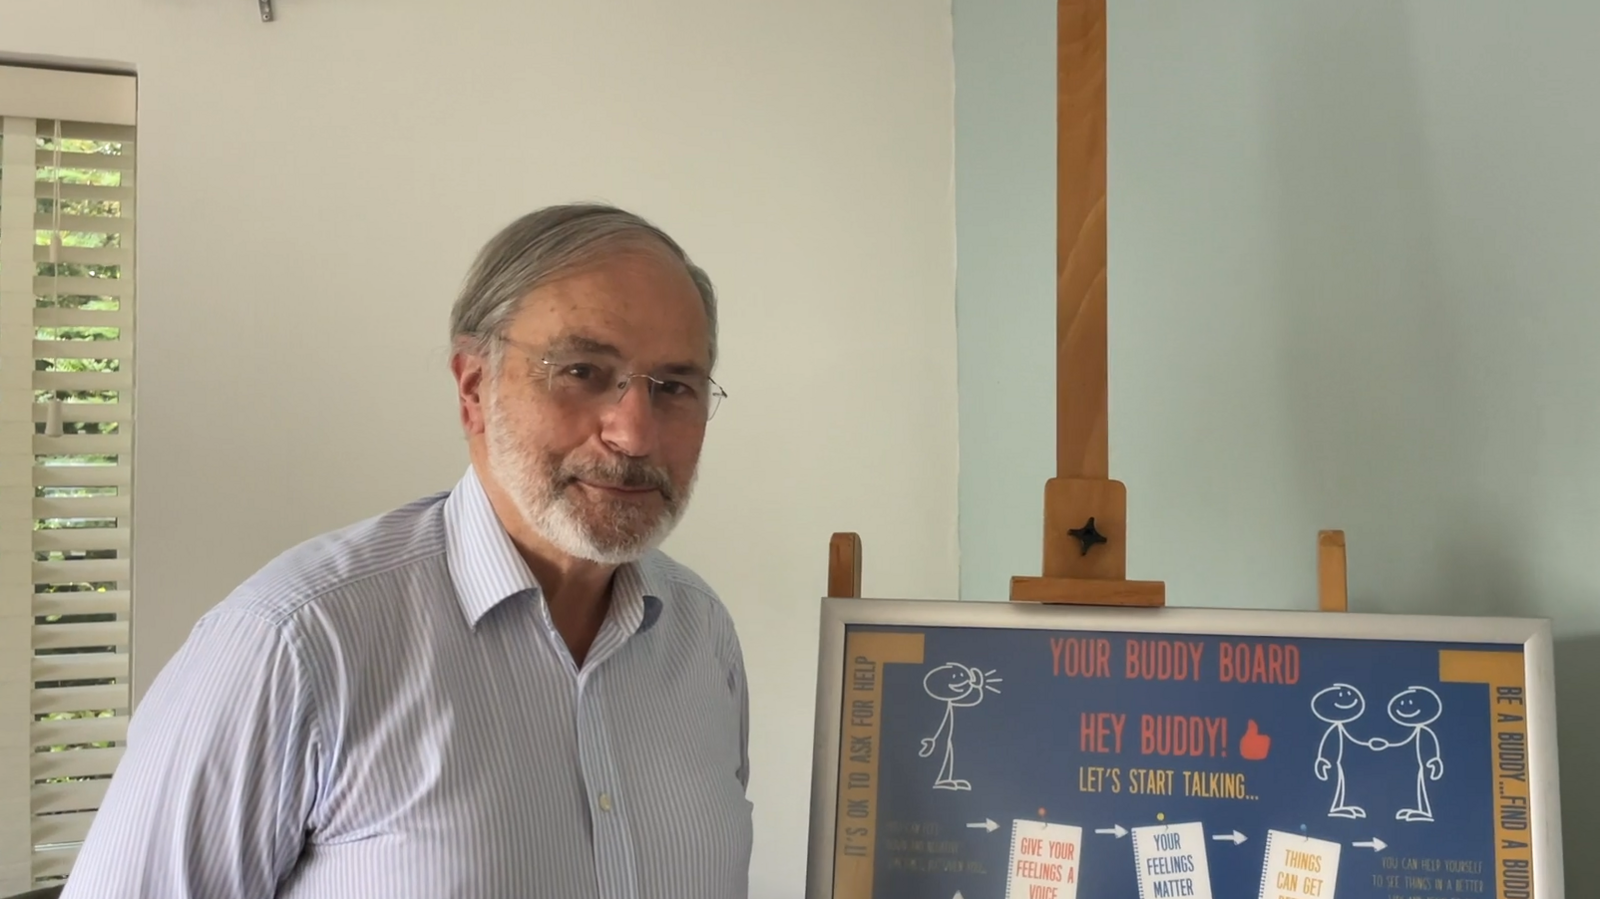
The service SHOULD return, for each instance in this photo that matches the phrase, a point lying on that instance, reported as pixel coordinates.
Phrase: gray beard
(538, 488)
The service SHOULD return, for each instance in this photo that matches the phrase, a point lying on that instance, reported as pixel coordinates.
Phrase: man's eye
(676, 388)
(580, 372)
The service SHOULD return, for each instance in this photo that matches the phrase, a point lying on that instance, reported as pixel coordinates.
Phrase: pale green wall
(1005, 277)
(1354, 283)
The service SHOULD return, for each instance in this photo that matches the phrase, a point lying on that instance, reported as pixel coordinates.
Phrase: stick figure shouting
(1416, 708)
(1338, 705)
(955, 685)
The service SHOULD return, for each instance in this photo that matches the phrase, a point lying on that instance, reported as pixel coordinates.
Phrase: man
(505, 690)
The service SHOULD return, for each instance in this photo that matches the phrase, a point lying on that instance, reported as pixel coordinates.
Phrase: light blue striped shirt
(388, 711)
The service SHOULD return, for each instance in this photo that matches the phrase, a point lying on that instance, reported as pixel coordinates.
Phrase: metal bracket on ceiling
(266, 10)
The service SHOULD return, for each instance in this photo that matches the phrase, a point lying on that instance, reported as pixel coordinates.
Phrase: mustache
(629, 473)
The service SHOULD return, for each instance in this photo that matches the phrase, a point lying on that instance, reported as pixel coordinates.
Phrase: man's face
(599, 478)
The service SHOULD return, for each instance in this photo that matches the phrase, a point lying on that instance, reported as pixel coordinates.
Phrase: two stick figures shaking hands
(1414, 709)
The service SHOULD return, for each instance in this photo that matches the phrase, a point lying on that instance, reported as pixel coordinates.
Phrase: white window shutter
(67, 313)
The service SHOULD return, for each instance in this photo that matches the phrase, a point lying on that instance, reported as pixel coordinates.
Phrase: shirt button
(605, 802)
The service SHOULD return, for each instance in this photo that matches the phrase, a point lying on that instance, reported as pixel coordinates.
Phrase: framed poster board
(993, 750)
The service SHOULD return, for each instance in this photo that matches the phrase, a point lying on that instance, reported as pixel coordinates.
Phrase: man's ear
(471, 376)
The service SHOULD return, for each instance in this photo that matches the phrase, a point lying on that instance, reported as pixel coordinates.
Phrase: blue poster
(994, 763)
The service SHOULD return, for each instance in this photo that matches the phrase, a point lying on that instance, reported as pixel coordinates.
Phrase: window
(66, 457)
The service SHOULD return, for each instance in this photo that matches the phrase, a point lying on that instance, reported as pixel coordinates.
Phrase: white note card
(1044, 860)
(1171, 860)
(1299, 867)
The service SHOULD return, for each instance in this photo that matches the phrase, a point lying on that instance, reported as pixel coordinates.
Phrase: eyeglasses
(590, 380)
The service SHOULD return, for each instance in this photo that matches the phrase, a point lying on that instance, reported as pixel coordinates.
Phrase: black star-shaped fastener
(1087, 536)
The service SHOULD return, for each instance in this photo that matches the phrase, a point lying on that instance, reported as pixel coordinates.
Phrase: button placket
(613, 845)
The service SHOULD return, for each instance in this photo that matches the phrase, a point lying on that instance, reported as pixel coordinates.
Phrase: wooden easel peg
(844, 565)
(1332, 580)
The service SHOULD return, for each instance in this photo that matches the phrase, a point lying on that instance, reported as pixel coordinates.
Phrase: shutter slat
(52, 700)
(82, 445)
(83, 349)
(83, 795)
(109, 134)
(59, 540)
(102, 162)
(71, 827)
(69, 636)
(82, 602)
(75, 731)
(49, 190)
(84, 224)
(48, 286)
(85, 255)
(82, 476)
(82, 507)
(65, 317)
(80, 665)
(86, 381)
(87, 413)
(82, 571)
(56, 861)
(76, 762)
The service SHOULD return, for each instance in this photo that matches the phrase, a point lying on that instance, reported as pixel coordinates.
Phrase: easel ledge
(844, 576)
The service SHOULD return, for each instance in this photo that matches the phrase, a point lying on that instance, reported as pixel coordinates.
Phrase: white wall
(1353, 272)
(311, 191)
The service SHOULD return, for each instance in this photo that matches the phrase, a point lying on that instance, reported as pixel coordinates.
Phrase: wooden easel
(1085, 511)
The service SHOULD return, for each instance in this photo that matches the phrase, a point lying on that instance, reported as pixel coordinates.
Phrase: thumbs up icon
(1254, 744)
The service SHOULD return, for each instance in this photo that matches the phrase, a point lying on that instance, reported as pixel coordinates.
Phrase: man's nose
(629, 425)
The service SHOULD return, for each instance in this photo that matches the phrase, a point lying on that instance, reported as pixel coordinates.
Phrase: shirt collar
(486, 569)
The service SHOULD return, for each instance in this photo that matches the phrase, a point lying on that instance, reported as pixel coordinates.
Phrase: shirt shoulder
(691, 598)
(326, 566)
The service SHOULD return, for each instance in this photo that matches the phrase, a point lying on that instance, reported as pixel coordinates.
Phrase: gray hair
(547, 244)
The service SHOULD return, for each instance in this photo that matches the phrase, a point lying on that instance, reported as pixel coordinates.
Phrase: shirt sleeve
(742, 697)
(216, 789)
